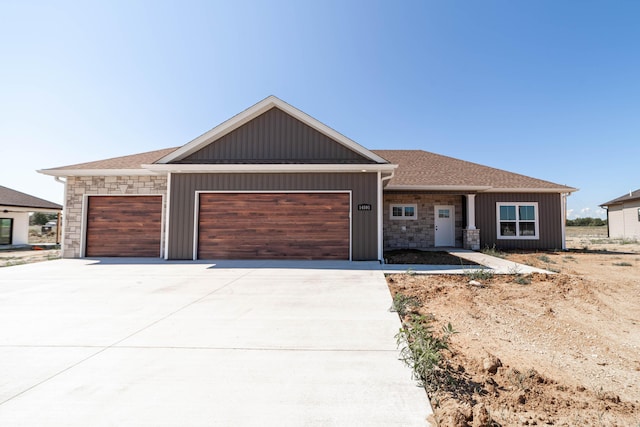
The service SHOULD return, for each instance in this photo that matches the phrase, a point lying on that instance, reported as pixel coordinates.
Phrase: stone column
(471, 239)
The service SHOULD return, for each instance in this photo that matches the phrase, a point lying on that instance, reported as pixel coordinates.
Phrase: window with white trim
(6, 231)
(517, 220)
(403, 211)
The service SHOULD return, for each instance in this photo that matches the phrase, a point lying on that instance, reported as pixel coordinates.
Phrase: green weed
(479, 274)
(493, 251)
(420, 348)
(545, 258)
(522, 280)
(403, 304)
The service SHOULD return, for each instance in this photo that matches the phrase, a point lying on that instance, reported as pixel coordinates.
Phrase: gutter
(61, 218)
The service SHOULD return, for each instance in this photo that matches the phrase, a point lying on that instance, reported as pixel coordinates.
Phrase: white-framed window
(517, 220)
(403, 211)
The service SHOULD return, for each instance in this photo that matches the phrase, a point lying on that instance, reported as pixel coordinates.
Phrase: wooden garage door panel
(119, 226)
(274, 225)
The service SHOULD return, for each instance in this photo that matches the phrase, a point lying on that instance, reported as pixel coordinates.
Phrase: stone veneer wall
(418, 233)
(78, 186)
(471, 239)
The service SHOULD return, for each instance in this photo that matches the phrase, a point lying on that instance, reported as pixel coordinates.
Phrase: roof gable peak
(253, 112)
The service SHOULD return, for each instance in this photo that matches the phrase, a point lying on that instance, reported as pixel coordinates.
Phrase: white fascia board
(532, 190)
(437, 187)
(478, 188)
(271, 168)
(253, 112)
(95, 172)
(26, 209)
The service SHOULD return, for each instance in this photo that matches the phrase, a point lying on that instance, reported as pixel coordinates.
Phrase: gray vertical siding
(275, 137)
(549, 222)
(363, 186)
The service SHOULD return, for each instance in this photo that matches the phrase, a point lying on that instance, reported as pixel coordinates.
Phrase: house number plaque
(364, 207)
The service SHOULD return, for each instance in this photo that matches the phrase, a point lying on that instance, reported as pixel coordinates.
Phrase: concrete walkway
(495, 264)
(152, 343)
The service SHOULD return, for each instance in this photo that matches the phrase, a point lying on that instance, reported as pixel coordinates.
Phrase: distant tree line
(586, 222)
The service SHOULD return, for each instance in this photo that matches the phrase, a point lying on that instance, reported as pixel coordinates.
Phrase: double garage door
(274, 226)
(229, 226)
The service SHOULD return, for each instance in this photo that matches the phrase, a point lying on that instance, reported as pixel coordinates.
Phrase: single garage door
(274, 226)
(124, 226)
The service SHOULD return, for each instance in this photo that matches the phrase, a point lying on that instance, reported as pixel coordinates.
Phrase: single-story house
(623, 216)
(273, 182)
(15, 208)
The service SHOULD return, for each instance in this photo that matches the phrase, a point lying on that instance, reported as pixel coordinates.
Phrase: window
(517, 220)
(404, 212)
(638, 214)
(6, 228)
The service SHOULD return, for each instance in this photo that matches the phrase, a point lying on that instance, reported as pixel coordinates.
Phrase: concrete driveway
(152, 343)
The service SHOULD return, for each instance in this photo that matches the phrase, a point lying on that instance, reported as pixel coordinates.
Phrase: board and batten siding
(624, 220)
(275, 137)
(549, 220)
(183, 187)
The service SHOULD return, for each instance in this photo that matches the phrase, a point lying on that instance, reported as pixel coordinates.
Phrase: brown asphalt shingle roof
(423, 169)
(416, 168)
(9, 197)
(133, 161)
(634, 195)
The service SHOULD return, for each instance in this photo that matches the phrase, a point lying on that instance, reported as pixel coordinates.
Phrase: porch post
(471, 211)
(470, 234)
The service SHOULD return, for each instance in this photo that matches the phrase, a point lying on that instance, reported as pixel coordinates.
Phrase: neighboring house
(273, 182)
(14, 215)
(623, 216)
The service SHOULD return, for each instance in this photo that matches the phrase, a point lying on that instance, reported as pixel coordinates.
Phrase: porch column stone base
(471, 239)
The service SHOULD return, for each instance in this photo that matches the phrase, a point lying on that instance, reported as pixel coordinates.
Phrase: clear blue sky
(549, 89)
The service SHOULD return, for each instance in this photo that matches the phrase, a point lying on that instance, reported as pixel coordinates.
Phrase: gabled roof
(9, 197)
(421, 170)
(633, 195)
(417, 170)
(129, 165)
(252, 112)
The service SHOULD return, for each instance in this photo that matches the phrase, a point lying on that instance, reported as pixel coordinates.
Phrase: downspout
(564, 219)
(60, 226)
(380, 215)
(167, 201)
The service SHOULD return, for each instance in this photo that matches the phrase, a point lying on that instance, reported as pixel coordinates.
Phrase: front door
(445, 226)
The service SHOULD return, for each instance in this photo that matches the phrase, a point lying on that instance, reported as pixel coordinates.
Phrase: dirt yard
(558, 349)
